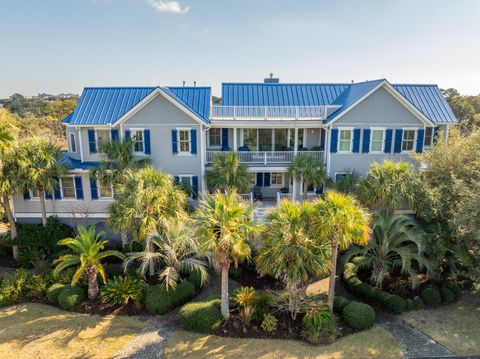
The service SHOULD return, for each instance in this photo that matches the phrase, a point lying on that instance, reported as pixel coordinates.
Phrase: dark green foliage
(339, 303)
(54, 291)
(37, 284)
(409, 304)
(319, 325)
(359, 315)
(202, 317)
(418, 302)
(65, 277)
(261, 306)
(235, 272)
(12, 288)
(196, 279)
(447, 294)
(431, 296)
(395, 303)
(70, 297)
(269, 323)
(121, 290)
(401, 290)
(455, 288)
(161, 301)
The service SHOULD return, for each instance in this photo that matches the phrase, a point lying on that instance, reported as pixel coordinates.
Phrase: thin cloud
(168, 6)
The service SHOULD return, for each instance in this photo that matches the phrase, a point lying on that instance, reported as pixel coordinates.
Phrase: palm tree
(175, 250)
(341, 220)
(397, 241)
(346, 183)
(308, 169)
(5, 136)
(229, 173)
(88, 253)
(224, 224)
(290, 252)
(388, 184)
(39, 161)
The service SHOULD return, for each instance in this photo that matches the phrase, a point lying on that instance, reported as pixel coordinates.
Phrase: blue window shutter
(322, 139)
(388, 141)
(366, 141)
(57, 193)
(398, 140)
(114, 134)
(334, 140)
(48, 195)
(195, 187)
(78, 187)
(26, 195)
(224, 139)
(259, 179)
(176, 179)
(174, 142)
(146, 139)
(266, 179)
(92, 144)
(356, 140)
(93, 188)
(435, 134)
(319, 190)
(128, 135)
(420, 139)
(193, 139)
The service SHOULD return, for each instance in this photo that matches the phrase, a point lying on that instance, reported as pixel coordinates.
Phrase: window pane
(277, 178)
(345, 134)
(428, 136)
(345, 146)
(265, 139)
(184, 136)
(138, 135)
(250, 138)
(184, 147)
(377, 135)
(105, 189)
(68, 187)
(280, 139)
(377, 141)
(103, 135)
(73, 145)
(214, 137)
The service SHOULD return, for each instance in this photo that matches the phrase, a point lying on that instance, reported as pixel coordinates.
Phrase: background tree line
(466, 108)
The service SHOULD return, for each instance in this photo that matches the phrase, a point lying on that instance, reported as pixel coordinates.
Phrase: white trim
(340, 129)
(382, 151)
(80, 140)
(69, 140)
(189, 131)
(203, 152)
(415, 136)
(209, 145)
(63, 215)
(99, 193)
(277, 185)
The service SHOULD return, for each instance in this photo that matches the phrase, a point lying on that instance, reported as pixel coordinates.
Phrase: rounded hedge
(196, 279)
(447, 294)
(339, 303)
(455, 288)
(409, 304)
(54, 291)
(70, 297)
(431, 296)
(359, 315)
(418, 302)
(159, 300)
(202, 317)
(395, 303)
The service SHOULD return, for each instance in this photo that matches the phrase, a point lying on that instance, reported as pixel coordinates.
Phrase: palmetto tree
(341, 220)
(224, 224)
(290, 252)
(229, 173)
(88, 252)
(175, 252)
(397, 242)
(39, 163)
(388, 184)
(309, 170)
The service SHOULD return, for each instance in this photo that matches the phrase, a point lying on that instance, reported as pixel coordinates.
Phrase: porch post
(295, 141)
(235, 148)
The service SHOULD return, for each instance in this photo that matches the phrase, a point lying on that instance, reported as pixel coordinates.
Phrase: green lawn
(372, 343)
(41, 331)
(456, 326)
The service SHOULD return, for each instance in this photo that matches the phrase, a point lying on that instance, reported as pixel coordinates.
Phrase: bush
(418, 302)
(235, 272)
(262, 306)
(409, 304)
(339, 303)
(65, 277)
(121, 290)
(455, 288)
(395, 303)
(196, 279)
(12, 287)
(359, 315)
(54, 291)
(447, 294)
(70, 297)
(245, 298)
(159, 300)
(319, 326)
(431, 296)
(269, 323)
(37, 284)
(202, 317)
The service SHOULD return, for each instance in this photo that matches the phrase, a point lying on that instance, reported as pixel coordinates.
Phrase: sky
(58, 46)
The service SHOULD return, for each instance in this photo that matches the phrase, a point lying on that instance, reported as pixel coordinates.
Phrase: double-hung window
(428, 137)
(103, 135)
(73, 144)
(377, 140)
(105, 190)
(68, 187)
(345, 140)
(184, 141)
(408, 140)
(185, 180)
(214, 137)
(276, 179)
(138, 141)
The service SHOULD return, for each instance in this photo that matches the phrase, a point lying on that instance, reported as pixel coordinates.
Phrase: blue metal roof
(106, 105)
(74, 164)
(67, 119)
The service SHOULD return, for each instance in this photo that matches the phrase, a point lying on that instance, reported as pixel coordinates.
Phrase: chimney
(194, 83)
(183, 83)
(271, 79)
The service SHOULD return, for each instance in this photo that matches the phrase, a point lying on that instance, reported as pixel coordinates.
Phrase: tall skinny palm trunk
(224, 292)
(11, 222)
(305, 191)
(333, 273)
(92, 282)
(41, 195)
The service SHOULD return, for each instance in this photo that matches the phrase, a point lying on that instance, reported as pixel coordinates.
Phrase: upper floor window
(67, 185)
(408, 140)
(73, 144)
(345, 140)
(138, 141)
(105, 190)
(428, 136)
(214, 137)
(184, 140)
(376, 143)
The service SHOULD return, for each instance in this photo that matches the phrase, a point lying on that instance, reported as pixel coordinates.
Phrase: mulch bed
(250, 278)
(8, 262)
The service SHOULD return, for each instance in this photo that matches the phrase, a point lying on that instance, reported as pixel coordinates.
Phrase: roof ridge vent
(271, 79)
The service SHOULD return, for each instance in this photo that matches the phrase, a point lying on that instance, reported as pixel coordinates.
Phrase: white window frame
(274, 185)
(100, 197)
(189, 131)
(383, 129)
(132, 130)
(220, 137)
(414, 139)
(35, 198)
(74, 189)
(340, 129)
(71, 136)
(431, 137)
(338, 173)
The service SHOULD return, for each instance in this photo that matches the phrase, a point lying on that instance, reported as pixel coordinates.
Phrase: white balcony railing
(265, 157)
(289, 196)
(275, 112)
(247, 197)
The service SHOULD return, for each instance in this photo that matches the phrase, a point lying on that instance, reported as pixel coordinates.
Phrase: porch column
(235, 147)
(295, 141)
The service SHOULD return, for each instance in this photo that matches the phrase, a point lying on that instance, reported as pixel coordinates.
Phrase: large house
(349, 126)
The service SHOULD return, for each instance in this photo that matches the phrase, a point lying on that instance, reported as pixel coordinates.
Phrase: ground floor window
(276, 179)
(105, 189)
(138, 142)
(428, 137)
(408, 140)
(67, 187)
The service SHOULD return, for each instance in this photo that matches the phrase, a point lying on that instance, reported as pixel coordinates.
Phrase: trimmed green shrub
(269, 323)
(339, 303)
(159, 300)
(418, 302)
(359, 315)
(12, 287)
(455, 288)
(431, 296)
(447, 294)
(395, 303)
(202, 317)
(409, 304)
(196, 279)
(37, 284)
(54, 291)
(70, 297)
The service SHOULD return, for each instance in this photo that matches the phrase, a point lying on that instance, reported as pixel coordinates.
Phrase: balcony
(272, 112)
(265, 157)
